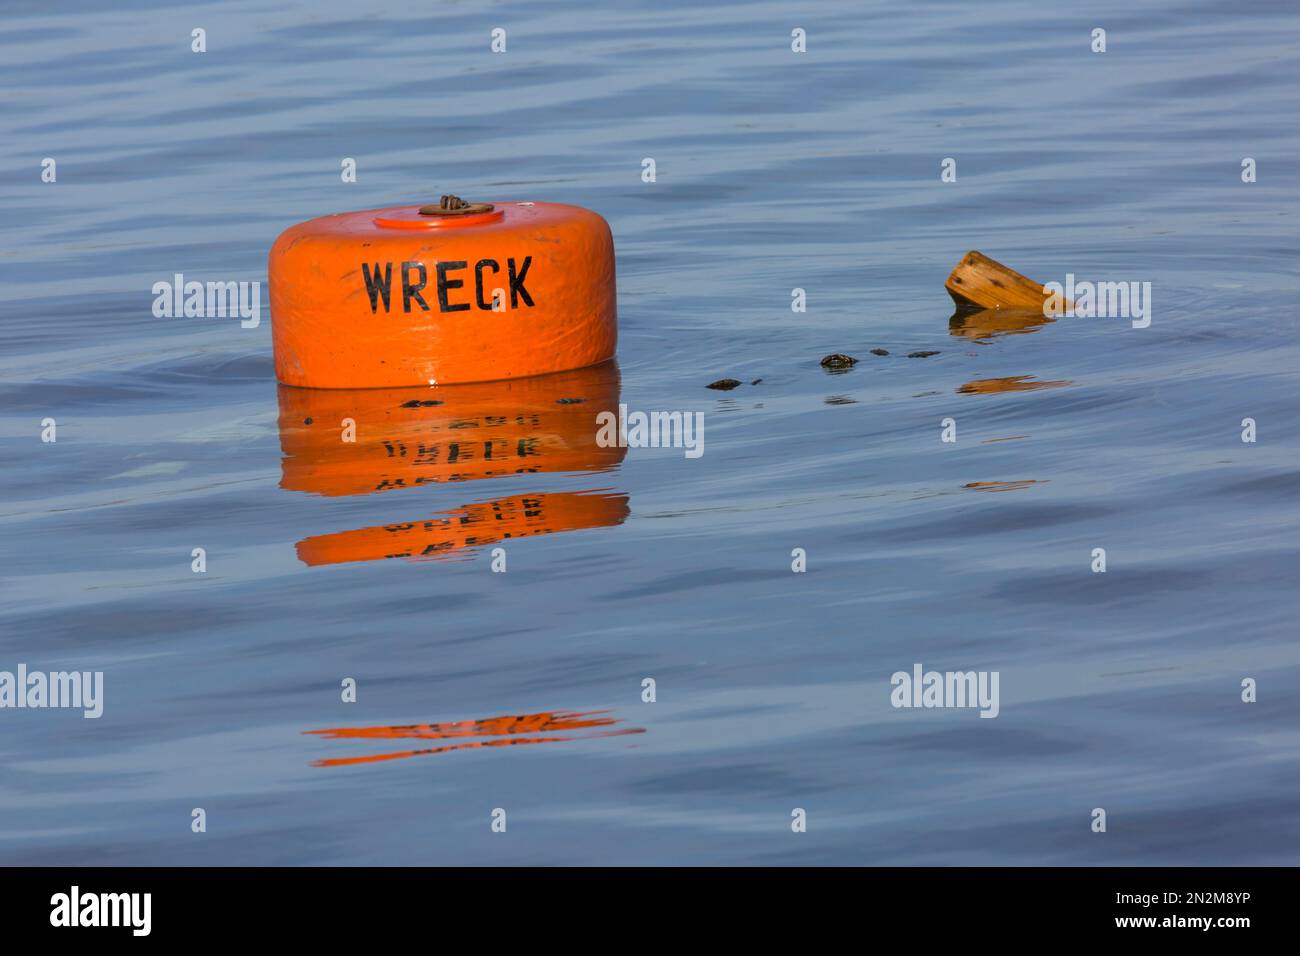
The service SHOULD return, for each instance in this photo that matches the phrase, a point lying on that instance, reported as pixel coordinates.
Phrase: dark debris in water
(838, 360)
(921, 354)
(724, 384)
(755, 381)
(880, 351)
(840, 400)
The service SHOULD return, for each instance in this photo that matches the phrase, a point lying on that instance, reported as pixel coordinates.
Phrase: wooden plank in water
(981, 282)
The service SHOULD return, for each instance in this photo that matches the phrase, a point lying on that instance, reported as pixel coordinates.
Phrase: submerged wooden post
(979, 282)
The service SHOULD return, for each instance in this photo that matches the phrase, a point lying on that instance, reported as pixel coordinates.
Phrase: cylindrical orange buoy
(441, 294)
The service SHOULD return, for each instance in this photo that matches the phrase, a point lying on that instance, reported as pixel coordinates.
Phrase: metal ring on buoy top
(442, 294)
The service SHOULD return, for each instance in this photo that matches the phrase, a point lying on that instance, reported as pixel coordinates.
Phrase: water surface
(775, 171)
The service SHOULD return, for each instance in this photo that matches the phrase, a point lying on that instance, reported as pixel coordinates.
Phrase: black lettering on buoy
(415, 276)
(413, 291)
(377, 287)
(444, 284)
(517, 282)
(478, 281)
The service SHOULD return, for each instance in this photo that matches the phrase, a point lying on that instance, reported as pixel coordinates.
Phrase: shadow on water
(471, 526)
(500, 731)
(983, 325)
(991, 323)
(1002, 485)
(348, 442)
(1009, 383)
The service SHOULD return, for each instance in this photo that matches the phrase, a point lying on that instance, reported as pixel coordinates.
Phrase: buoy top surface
(428, 295)
(387, 220)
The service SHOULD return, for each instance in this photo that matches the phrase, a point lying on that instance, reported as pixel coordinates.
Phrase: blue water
(775, 170)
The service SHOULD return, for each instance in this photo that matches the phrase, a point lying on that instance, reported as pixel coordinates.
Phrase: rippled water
(775, 170)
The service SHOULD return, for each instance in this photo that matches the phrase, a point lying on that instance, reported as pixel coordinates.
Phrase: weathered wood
(984, 283)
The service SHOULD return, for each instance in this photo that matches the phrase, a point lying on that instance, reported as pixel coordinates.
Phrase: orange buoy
(442, 294)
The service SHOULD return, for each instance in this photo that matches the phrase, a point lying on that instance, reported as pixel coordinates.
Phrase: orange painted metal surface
(393, 297)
